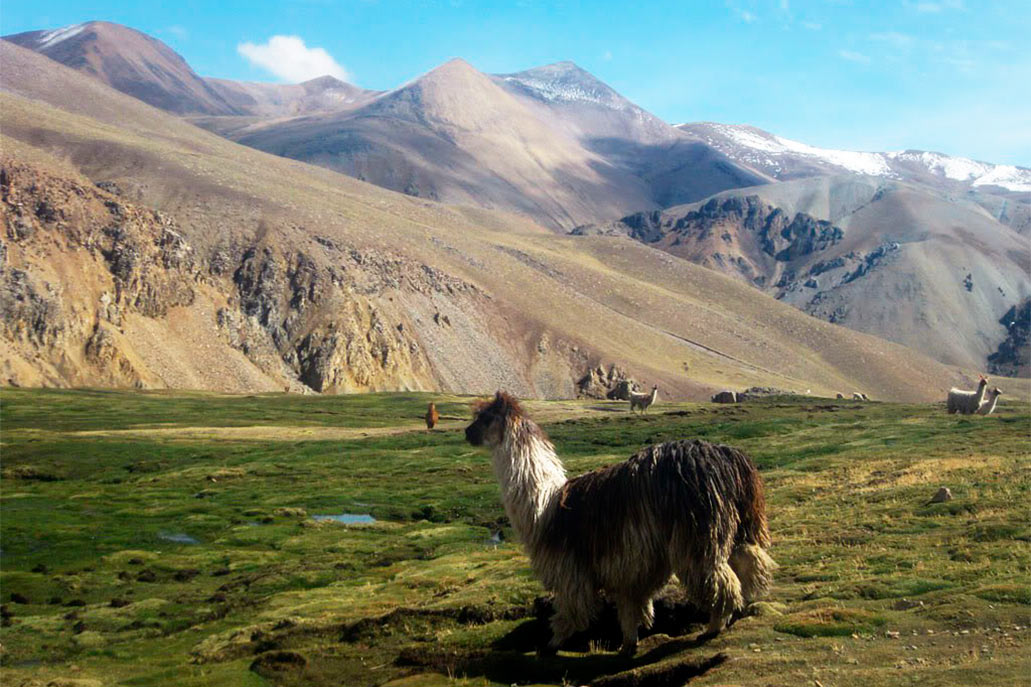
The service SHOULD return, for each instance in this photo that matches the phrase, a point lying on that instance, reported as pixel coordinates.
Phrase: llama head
(491, 418)
(982, 380)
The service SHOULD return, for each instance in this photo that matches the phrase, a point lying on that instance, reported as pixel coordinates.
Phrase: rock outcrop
(1013, 357)
(613, 384)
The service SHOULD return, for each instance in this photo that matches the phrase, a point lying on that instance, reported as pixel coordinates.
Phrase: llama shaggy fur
(966, 402)
(643, 401)
(991, 397)
(689, 508)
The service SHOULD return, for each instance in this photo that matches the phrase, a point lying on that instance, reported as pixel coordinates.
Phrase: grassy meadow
(168, 538)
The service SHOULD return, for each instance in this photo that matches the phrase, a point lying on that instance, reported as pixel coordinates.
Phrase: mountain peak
(564, 82)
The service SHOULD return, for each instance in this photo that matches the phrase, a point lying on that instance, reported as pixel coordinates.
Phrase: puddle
(178, 537)
(346, 518)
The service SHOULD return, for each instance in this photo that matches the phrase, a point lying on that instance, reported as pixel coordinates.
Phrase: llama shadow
(674, 616)
(513, 657)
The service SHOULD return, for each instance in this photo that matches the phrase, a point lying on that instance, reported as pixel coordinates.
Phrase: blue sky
(944, 75)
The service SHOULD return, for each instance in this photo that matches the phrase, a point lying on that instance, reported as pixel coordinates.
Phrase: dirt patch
(368, 629)
(274, 663)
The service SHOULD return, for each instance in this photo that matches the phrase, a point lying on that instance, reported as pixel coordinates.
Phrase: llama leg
(573, 612)
(632, 614)
(754, 569)
(723, 589)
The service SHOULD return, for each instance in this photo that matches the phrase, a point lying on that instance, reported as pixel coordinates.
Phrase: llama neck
(988, 405)
(981, 388)
(655, 395)
(530, 475)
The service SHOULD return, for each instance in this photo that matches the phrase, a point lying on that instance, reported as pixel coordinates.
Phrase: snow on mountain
(1008, 177)
(50, 38)
(566, 82)
(860, 163)
(785, 158)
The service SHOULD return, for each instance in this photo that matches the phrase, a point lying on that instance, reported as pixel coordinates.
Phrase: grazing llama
(686, 507)
(432, 416)
(643, 401)
(991, 397)
(966, 402)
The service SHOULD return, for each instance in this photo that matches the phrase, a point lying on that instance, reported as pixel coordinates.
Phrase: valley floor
(175, 538)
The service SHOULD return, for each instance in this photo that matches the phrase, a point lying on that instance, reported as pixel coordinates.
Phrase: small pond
(178, 537)
(346, 518)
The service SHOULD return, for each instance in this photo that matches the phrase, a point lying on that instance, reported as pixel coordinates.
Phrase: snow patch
(958, 168)
(557, 91)
(50, 38)
(757, 147)
(1008, 177)
(861, 163)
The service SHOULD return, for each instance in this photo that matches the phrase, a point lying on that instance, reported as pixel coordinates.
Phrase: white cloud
(853, 56)
(291, 60)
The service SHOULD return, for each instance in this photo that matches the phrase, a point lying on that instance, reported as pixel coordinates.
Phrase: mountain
(141, 250)
(322, 94)
(1003, 190)
(131, 62)
(890, 258)
(553, 143)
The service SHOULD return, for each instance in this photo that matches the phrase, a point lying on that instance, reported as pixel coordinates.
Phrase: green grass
(98, 486)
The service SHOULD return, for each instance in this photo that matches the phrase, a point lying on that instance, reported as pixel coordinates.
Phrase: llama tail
(753, 527)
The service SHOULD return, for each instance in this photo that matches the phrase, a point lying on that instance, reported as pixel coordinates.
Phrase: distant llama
(686, 507)
(991, 397)
(966, 402)
(643, 401)
(432, 416)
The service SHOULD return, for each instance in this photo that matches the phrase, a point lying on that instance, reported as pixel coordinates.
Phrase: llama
(966, 402)
(991, 397)
(840, 395)
(432, 416)
(686, 507)
(859, 396)
(643, 401)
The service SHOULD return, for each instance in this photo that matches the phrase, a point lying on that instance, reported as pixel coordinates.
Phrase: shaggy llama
(687, 507)
(966, 402)
(643, 401)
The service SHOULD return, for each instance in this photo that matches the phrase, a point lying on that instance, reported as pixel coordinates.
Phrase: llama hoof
(739, 614)
(707, 635)
(628, 650)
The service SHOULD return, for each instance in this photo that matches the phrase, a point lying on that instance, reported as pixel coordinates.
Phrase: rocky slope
(888, 258)
(86, 273)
